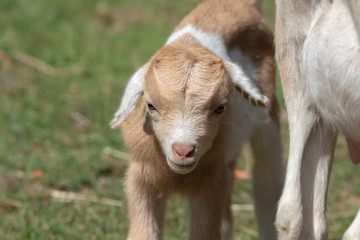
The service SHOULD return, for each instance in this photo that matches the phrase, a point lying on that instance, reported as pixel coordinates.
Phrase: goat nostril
(184, 151)
(191, 153)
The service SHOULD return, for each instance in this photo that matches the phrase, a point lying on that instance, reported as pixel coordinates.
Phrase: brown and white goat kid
(184, 125)
(318, 51)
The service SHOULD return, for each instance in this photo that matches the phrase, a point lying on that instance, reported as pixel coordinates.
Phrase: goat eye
(151, 107)
(219, 109)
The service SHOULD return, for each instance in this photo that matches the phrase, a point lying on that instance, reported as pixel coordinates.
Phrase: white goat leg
(302, 207)
(318, 58)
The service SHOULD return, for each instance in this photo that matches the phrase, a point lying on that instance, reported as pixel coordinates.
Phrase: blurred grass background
(63, 68)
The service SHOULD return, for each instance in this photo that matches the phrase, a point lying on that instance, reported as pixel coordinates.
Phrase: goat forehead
(196, 93)
(190, 80)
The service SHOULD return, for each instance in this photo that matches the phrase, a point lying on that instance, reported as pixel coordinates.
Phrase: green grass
(54, 132)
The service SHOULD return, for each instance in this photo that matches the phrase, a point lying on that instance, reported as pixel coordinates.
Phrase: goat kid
(318, 52)
(184, 125)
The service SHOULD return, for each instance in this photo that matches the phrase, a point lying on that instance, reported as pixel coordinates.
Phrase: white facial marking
(183, 133)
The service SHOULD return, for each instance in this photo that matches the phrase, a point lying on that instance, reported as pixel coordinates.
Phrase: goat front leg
(207, 211)
(302, 208)
(146, 206)
(268, 176)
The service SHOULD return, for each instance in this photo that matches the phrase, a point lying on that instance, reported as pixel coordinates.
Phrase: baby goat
(184, 125)
(318, 51)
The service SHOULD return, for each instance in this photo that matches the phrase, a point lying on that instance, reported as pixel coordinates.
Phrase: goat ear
(133, 92)
(245, 85)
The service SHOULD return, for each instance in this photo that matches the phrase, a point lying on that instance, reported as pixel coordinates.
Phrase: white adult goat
(318, 52)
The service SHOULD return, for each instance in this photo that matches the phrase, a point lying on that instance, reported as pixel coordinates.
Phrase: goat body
(318, 52)
(184, 126)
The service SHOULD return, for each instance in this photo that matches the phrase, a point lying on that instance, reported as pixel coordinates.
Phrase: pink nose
(183, 151)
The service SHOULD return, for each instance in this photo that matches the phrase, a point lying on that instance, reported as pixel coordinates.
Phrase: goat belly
(354, 150)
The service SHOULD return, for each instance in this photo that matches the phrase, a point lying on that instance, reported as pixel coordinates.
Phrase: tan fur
(247, 31)
(210, 178)
(186, 82)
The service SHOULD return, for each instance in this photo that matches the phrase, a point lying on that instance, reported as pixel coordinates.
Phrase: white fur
(183, 133)
(208, 40)
(245, 83)
(319, 59)
(353, 232)
(133, 92)
(237, 56)
(340, 67)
